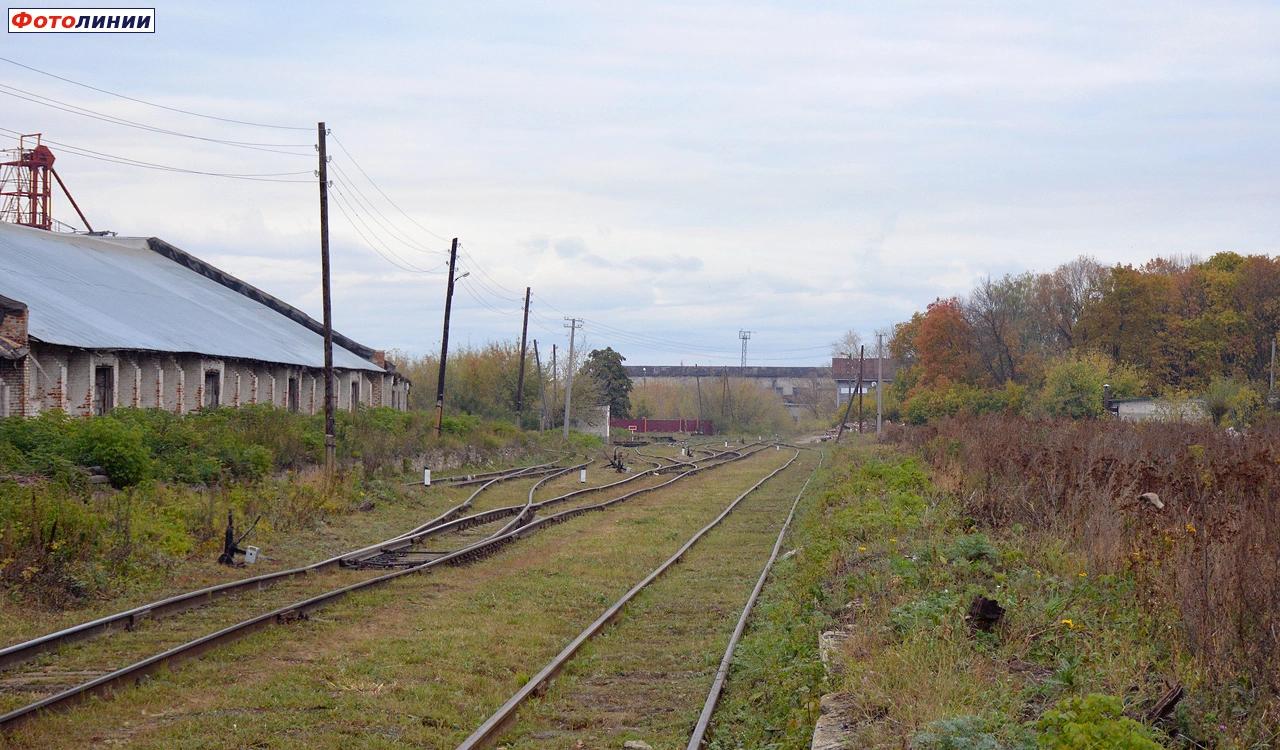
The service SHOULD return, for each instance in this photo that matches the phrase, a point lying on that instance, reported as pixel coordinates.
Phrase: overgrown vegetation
(1202, 548)
(893, 561)
(174, 478)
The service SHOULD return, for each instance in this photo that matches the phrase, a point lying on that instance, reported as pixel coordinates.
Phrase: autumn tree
(944, 343)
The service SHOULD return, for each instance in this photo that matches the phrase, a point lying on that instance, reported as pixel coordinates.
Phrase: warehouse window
(355, 394)
(293, 394)
(212, 389)
(104, 386)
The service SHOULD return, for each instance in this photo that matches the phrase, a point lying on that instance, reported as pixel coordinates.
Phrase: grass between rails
(893, 564)
(645, 677)
(418, 662)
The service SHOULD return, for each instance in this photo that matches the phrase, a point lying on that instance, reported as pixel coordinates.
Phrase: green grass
(646, 676)
(418, 662)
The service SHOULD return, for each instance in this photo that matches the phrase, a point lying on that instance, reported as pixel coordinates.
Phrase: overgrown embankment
(173, 480)
(892, 554)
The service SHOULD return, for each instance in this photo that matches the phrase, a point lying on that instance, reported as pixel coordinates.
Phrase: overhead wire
(401, 237)
(129, 161)
(355, 162)
(348, 210)
(28, 96)
(179, 110)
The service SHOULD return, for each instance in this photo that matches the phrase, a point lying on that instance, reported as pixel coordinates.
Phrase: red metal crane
(25, 189)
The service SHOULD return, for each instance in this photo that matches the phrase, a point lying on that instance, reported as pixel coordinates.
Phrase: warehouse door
(104, 387)
(212, 390)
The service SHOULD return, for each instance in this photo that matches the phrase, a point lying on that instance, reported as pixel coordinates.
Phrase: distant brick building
(88, 323)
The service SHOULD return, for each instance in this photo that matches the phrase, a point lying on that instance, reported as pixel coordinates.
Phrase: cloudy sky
(673, 171)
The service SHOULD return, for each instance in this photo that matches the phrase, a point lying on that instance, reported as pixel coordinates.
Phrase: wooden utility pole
(542, 388)
(330, 441)
(524, 336)
(444, 339)
(848, 406)
(862, 354)
(573, 324)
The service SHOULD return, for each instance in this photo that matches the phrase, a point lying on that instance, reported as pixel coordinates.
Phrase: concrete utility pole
(862, 354)
(444, 340)
(697, 380)
(555, 386)
(330, 441)
(524, 336)
(573, 324)
(542, 388)
(879, 383)
(745, 336)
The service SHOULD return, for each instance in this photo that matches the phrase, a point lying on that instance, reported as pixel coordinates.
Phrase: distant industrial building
(88, 323)
(844, 370)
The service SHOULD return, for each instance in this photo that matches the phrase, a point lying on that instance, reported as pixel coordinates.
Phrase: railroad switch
(231, 544)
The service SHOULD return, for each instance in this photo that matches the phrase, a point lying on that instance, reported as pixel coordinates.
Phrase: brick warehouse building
(88, 323)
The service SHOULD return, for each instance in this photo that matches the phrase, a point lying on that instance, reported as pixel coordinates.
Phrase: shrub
(116, 447)
(1073, 384)
(1091, 721)
(1231, 400)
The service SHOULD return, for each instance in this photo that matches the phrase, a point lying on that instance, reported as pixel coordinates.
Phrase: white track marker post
(426, 477)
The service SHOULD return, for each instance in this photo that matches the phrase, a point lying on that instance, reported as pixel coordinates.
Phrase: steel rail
(726, 663)
(299, 610)
(492, 728)
(523, 513)
(453, 512)
(460, 479)
(133, 617)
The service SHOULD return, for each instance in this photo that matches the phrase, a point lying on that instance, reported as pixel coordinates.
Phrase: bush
(1091, 721)
(944, 399)
(1073, 385)
(1230, 400)
(116, 447)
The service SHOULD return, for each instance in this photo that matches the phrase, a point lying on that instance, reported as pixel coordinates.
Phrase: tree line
(1048, 341)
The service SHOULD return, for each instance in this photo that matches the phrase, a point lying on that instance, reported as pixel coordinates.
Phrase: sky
(670, 172)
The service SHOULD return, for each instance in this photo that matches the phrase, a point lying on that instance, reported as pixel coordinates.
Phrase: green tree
(1073, 384)
(605, 367)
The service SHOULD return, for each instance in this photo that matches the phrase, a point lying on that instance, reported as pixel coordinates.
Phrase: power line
(381, 192)
(128, 161)
(274, 148)
(380, 217)
(152, 104)
(348, 210)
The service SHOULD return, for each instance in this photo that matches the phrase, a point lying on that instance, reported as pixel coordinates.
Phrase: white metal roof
(119, 293)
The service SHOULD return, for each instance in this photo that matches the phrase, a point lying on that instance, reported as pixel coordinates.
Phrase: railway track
(488, 733)
(310, 588)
